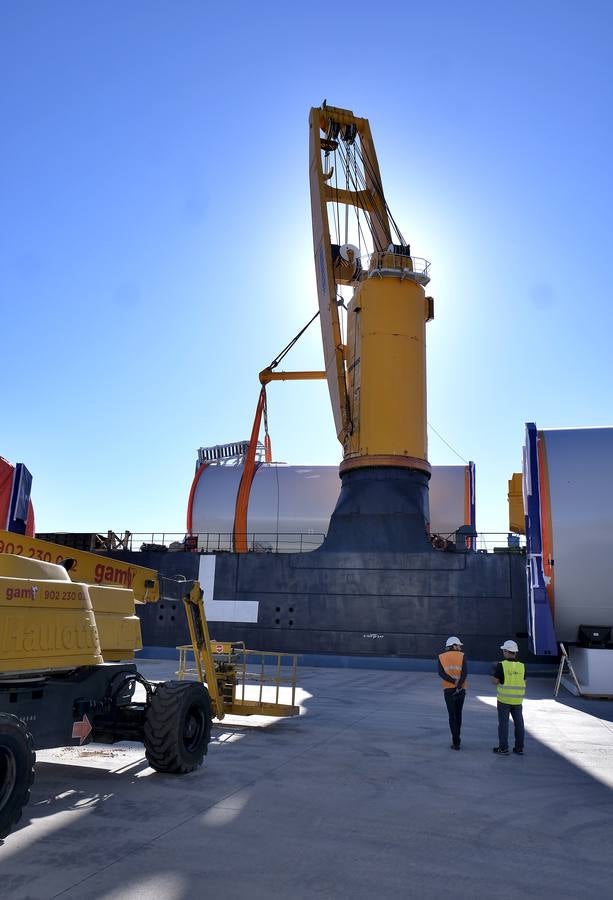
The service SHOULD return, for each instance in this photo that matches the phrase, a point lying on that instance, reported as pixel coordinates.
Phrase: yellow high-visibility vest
(514, 687)
(451, 661)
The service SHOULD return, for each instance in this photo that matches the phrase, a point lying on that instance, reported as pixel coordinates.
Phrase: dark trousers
(515, 711)
(455, 701)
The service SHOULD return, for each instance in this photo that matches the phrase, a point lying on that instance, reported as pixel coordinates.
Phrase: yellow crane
(373, 311)
(375, 349)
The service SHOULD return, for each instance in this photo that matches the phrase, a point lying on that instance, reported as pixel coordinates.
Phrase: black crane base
(380, 509)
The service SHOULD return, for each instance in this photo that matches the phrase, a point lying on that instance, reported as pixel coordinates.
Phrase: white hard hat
(453, 640)
(511, 646)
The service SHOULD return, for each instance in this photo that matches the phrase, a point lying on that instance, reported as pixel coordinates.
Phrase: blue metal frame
(540, 618)
(20, 499)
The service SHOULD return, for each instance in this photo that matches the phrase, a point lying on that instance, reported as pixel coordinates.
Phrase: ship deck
(358, 797)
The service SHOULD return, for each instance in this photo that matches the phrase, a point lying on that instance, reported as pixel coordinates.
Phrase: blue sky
(155, 245)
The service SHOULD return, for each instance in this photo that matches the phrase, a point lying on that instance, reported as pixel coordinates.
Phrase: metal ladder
(565, 661)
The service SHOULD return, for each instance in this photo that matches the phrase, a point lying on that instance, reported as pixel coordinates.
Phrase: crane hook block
(328, 145)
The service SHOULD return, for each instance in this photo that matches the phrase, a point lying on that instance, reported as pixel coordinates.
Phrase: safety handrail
(387, 259)
(264, 542)
(222, 541)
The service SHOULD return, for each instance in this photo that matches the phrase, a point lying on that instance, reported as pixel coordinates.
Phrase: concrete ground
(358, 797)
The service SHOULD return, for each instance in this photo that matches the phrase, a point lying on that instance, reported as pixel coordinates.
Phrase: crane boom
(369, 199)
(334, 352)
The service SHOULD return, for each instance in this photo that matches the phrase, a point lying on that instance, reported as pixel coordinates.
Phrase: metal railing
(500, 541)
(300, 542)
(270, 542)
(387, 260)
(273, 673)
(264, 688)
(480, 541)
(219, 541)
(229, 454)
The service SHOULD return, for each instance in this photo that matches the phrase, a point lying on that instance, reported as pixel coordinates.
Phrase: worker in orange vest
(452, 671)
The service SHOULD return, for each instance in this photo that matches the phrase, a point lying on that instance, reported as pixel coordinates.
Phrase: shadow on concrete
(601, 709)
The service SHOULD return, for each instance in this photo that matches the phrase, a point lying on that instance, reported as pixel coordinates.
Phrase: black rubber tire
(17, 761)
(178, 727)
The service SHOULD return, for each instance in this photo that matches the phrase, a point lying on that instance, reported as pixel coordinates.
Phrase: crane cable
(289, 346)
(360, 184)
(356, 180)
(370, 169)
(357, 183)
(353, 181)
(459, 455)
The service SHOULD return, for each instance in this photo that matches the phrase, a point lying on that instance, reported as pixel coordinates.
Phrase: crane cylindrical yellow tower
(386, 366)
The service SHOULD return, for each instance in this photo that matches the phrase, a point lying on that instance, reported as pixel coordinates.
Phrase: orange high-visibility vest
(451, 661)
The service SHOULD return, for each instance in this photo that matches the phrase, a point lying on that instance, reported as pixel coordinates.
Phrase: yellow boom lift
(68, 634)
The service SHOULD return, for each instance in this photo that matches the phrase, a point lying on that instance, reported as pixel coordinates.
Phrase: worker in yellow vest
(510, 677)
(452, 671)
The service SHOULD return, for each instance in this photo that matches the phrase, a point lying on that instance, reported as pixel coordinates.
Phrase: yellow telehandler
(68, 634)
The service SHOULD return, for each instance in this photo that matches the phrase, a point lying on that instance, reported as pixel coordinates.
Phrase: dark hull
(352, 604)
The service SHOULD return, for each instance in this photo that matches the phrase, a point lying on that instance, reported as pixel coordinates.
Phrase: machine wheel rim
(194, 728)
(8, 775)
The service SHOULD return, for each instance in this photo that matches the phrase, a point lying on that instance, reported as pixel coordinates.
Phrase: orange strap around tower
(249, 470)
